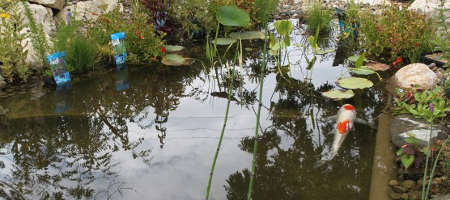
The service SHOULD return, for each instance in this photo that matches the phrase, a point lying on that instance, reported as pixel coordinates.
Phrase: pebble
(399, 189)
(409, 184)
(395, 196)
(393, 182)
(404, 196)
(414, 195)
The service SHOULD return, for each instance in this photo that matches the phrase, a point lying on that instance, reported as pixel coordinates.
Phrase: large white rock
(428, 6)
(416, 75)
(86, 9)
(57, 4)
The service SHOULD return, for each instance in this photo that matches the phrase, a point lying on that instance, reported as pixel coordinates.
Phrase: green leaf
(283, 27)
(173, 48)
(407, 160)
(360, 60)
(354, 83)
(399, 152)
(232, 16)
(224, 41)
(338, 94)
(312, 42)
(248, 35)
(176, 60)
(412, 140)
(319, 51)
(363, 70)
(353, 58)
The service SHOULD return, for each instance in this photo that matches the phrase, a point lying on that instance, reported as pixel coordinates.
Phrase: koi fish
(346, 116)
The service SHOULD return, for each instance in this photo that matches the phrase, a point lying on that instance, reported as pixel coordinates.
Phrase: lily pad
(338, 94)
(176, 60)
(224, 41)
(362, 70)
(376, 66)
(173, 48)
(354, 83)
(232, 16)
(248, 35)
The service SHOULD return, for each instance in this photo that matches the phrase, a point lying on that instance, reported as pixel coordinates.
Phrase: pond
(150, 132)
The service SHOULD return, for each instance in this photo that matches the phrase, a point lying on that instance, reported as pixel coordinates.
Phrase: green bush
(318, 18)
(396, 33)
(12, 53)
(81, 54)
(142, 43)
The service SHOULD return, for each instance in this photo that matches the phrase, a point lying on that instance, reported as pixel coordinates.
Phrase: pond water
(150, 132)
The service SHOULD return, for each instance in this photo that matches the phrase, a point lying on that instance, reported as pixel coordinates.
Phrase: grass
(318, 18)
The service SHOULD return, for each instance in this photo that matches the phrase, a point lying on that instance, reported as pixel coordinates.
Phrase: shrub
(81, 54)
(142, 43)
(396, 33)
(318, 18)
(12, 53)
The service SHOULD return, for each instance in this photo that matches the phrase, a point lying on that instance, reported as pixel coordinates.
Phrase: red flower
(417, 44)
(95, 14)
(163, 49)
(397, 60)
(141, 36)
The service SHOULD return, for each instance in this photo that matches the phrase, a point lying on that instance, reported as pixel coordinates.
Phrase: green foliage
(81, 54)
(64, 34)
(442, 39)
(193, 16)
(318, 18)
(428, 105)
(264, 8)
(12, 53)
(395, 33)
(142, 44)
(38, 37)
(232, 16)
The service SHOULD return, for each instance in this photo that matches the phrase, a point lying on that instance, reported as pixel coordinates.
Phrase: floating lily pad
(176, 60)
(232, 16)
(248, 35)
(362, 70)
(320, 51)
(338, 94)
(355, 83)
(173, 48)
(224, 41)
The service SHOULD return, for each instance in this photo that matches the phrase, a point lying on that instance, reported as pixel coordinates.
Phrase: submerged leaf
(355, 83)
(232, 16)
(338, 94)
(173, 48)
(224, 41)
(248, 35)
(176, 60)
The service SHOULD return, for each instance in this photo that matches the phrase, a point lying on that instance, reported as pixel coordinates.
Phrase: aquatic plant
(442, 39)
(279, 46)
(318, 18)
(142, 43)
(81, 54)
(38, 36)
(12, 48)
(359, 67)
(395, 33)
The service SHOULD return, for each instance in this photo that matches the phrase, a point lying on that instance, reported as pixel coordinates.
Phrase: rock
(88, 9)
(428, 6)
(405, 125)
(393, 182)
(442, 197)
(399, 189)
(395, 196)
(57, 4)
(3, 111)
(416, 75)
(414, 195)
(2, 82)
(404, 196)
(409, 184)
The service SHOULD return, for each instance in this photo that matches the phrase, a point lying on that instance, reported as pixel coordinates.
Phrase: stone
(57, 4)
(414, 195)
(409, 184)
(88, 9)
(404, 196)
(395, 196)
(399, 189)
(393, 182)
(2, 82)
(404, 126)
(416, 75)
(428, 6)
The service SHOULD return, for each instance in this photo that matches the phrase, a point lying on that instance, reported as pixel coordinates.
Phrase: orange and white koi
(344, 123)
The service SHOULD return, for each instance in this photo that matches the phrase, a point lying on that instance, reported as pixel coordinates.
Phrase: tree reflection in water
(71, 156)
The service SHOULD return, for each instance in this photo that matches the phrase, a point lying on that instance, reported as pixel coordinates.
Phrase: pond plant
(318, 18)
(12, 50)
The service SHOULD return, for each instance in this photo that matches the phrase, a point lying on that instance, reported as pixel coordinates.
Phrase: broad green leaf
(399, 152)
(360, 60)
(353, 58)
(173, 48)
(224, 41)
(407, 160)
(363, 70)
(338, 94)
(319, 51)
(176, 60)
(283, 27)
(354, 83)
(232, 16)
(312, 42)
(248, 35)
